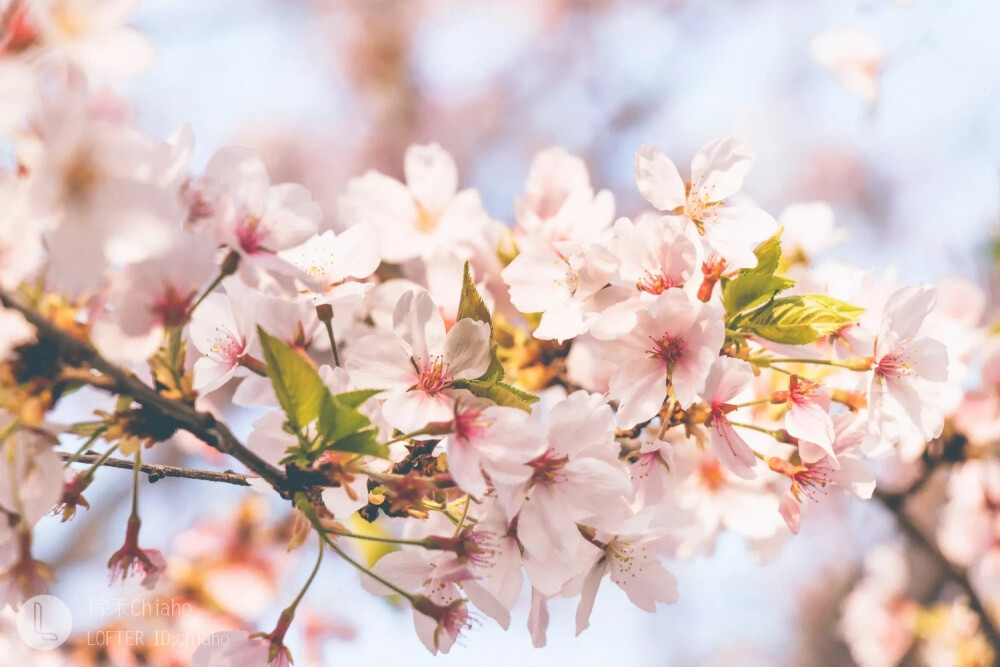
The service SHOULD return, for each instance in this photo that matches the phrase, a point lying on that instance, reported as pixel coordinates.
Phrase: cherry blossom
(250, 215)
(676, 339)
(727, 379)
(493, 439)
(565, 283)
(418, 363)
(559, 203)
(908, 369)
(843, 468)
(717, 173)
(627, 559)
(415, 218)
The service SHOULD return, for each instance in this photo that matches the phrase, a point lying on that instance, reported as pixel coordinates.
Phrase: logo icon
(44, 622)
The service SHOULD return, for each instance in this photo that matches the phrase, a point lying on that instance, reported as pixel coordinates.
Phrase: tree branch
(895, 503)
(201, 424)
(156, 472)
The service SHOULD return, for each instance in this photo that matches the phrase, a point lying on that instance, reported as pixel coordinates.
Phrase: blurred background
(889, 111)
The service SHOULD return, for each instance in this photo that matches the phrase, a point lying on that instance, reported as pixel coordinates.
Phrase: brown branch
(895, 503)
(156, 472)
(201, 424)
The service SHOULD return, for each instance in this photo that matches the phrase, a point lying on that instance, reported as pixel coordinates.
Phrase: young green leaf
(337, 420)
(470, 304)
(750, 290)
(296, 383)
(363, 442)
(800, 319)
(768, 256)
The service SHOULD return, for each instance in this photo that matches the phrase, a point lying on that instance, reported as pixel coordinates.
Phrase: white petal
(658, 179)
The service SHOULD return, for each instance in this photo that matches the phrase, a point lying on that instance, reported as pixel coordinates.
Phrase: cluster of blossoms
(574, 396)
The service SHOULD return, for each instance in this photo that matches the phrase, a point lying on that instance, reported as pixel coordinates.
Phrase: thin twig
(201, 424)
(156, 472)
(895, 504)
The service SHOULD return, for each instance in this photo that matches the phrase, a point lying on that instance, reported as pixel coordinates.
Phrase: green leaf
(296, 383)
(337, 420)
(750, 290)
(500, 393)
(363, 442)
(355, 399)
(470, 304)
(768, 256)
(800, 319)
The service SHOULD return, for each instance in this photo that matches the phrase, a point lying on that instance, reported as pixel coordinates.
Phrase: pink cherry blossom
(843, 468)
(415, 218)
(676, 339)
(559, 203)
(417, 364)
(909, 369)
(151, 297)
(717, 173)
(727, 379)
(251, 216)
(497, 440)
(807, 417)
(565, 283)
(578, 479)
(626, 556)
(338, 262)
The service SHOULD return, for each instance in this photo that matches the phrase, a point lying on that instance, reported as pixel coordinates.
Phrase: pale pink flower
(250, 215)
(91, 34)
(338, 262)
(808, 416)
(676, 339)
(808, 230)
(416, 218)
(651, 479)
(493, 439)
(31, 476)
(109, 188)
(842, 468)
(132, 560)
(440, 613)
(20, 241)
(238, 649)
(656, 253)
(717, 500)
(222, 331)
(566, 283)
(151, 297)
(578, 479)
(978, 417)
(717, 173)
(855, 59)
(559, 203)
(878, 617)
(629, 558)
(909, 370)
(727, 379)
(417, 364)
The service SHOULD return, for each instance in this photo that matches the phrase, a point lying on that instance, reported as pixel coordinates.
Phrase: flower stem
(135, 482)
(375, 538)
(853, 364)
(228, 268)
(86, 445)
(99, 462)
(465, 513)
(319, 559)
(324, 312)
